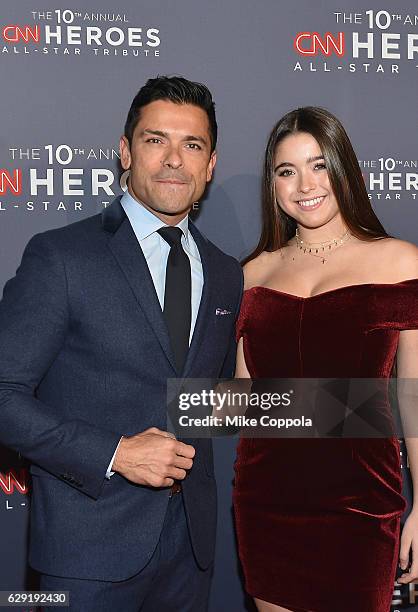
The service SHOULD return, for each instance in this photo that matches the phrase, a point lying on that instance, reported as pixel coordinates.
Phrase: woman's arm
(407, 365)
(241, 370)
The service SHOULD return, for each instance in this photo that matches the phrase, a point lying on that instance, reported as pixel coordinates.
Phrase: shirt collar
(144, 223)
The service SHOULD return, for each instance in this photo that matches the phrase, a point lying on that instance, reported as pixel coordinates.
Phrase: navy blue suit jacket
(84, 359)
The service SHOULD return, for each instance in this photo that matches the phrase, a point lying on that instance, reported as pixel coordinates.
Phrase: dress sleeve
(405, 306)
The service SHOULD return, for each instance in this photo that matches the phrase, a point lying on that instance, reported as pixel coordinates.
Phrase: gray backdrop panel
(245, 52)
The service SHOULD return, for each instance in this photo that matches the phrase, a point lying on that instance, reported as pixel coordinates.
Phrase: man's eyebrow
(154, 133)
(308, 161)
(187, 138)
(195, 138)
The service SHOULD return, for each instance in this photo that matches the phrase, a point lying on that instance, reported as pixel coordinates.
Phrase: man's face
(169, 159)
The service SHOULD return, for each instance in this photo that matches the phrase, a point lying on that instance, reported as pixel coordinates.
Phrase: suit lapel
(128, 253)
(204, 307)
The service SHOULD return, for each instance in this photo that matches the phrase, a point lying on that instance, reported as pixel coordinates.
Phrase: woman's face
(301, 182)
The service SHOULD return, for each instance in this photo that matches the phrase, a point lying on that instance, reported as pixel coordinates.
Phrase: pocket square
(221, 312)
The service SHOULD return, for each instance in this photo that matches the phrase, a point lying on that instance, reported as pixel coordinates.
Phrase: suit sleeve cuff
(109, 472)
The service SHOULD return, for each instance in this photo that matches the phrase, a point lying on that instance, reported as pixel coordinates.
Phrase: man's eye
(153, 140)
(193, 145)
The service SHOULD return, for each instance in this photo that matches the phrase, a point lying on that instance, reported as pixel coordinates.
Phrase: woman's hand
(409, 541)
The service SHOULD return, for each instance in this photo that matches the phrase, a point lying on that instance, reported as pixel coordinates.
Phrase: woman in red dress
(328, 294)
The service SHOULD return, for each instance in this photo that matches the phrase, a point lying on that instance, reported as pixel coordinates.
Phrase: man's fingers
(168, 482)
(185, 450)
(159, 432)
(176, 473)
(167, 434)
(156, 458)
(183, 462)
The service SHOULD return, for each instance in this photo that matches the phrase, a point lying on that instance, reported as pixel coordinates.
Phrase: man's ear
(125, 153)
(211, 165)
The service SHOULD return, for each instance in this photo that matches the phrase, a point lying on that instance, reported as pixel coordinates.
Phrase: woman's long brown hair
(344, 174)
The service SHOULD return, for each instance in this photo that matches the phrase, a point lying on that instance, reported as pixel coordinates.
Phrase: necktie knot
(172, 235)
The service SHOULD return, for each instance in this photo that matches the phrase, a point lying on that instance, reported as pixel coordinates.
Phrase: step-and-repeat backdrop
(69, 71)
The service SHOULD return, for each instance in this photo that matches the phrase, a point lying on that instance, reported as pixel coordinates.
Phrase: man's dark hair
(174, 89)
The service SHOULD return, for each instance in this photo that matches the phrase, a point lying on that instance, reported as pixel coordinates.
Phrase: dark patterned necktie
(178, 295)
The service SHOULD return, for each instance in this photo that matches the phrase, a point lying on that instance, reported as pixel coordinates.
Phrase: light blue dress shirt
(156, 250)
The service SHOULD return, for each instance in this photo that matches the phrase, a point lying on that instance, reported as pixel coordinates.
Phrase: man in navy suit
(99, 315)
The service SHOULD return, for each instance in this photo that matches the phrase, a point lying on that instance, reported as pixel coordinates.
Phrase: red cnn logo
(7, 182)
(15, 33)
(11, 481)
(312, 43)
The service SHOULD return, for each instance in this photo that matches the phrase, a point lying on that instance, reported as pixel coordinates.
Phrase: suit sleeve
(34, 318)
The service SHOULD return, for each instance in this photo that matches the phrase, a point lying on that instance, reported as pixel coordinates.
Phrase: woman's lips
(311, 204)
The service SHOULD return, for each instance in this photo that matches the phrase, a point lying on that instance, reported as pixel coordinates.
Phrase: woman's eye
(320, 167)
(286, 172)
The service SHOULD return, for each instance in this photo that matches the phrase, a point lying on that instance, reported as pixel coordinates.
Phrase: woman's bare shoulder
(398, 258)
(256, 270)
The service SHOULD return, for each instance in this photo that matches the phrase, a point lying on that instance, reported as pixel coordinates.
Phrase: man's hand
(153, 458)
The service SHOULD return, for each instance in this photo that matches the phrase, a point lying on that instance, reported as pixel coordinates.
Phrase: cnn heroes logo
(20, 185)
(386, 40)
(13, 482)
(66, 37)
(390, 178)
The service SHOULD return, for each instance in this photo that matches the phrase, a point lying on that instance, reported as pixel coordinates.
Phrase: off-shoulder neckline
(336, 289)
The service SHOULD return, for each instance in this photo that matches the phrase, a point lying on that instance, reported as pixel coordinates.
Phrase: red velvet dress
(318, 519)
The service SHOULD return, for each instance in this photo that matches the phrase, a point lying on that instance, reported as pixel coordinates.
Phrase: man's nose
(173, 158)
